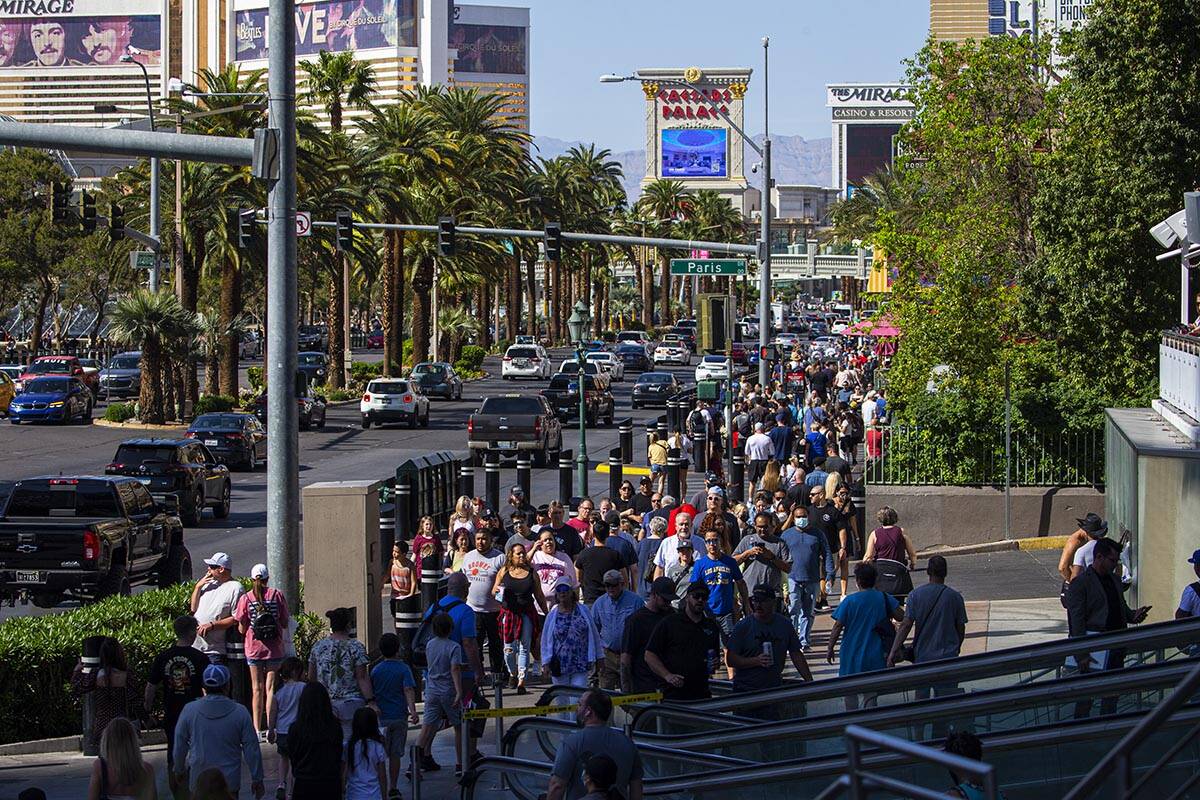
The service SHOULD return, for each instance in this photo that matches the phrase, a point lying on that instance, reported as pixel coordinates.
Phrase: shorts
(755, 470)
(441, 711)
(395, 735)
(656, 469)
(281, 745)
(724, 627)
(269, 663)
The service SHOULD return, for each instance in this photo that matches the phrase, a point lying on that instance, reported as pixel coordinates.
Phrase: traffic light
(60, 199)
(242, 221)
(345, 231)
(87, 212)
(445, 243)
(116, 222)
(553, 241)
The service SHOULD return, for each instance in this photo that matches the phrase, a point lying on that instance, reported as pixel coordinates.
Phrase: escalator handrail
(1175, 633)
(1143, 678)
(540, 724)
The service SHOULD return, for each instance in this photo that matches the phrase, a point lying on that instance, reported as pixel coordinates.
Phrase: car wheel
(176, 567)
(252, 460)
(425, 419)
(221, 509)
(412, 420)
(634, 405)
(608, 419)
(306, 422)
(115, 582)
(321, 424)
(87, 415)
(193, 511)
(366, 422)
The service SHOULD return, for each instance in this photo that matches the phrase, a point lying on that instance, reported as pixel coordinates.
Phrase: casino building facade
(866, 122)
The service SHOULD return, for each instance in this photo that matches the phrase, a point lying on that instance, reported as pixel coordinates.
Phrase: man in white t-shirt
(759, 450)
(213, 602)
(480, 566)
(1086, 554)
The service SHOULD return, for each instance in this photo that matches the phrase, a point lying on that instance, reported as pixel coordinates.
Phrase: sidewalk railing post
(466, 477)
(700, 451)
(566, 465)
(662, 427)
(492, 480)
(625, 434)
(414, 763)
(615, 473)
(737, 477)
(525, 474)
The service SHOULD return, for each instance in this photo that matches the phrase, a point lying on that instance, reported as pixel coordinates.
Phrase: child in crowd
(281, 715)
(443, 690)
(396, 696)
(366, 759)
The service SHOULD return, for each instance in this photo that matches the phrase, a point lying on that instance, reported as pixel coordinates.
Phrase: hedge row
(38, 654)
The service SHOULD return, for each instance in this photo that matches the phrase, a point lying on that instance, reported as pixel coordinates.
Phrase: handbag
(908, 652)
(885, 629)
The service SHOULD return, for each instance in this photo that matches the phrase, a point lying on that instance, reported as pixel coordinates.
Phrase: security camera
(754, 167)
(1168, 232)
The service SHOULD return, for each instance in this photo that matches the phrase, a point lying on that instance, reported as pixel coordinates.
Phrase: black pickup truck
(87, 537)
(563, 396)
(511, 422)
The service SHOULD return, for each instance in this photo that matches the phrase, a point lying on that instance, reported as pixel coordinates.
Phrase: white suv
(394, 400)
(608, 362)
(525, 361)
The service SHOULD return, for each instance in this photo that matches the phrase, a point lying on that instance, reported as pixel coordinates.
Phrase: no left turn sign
(303, 223)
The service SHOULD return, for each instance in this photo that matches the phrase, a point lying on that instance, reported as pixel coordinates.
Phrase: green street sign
(708, 266)
(141, 259)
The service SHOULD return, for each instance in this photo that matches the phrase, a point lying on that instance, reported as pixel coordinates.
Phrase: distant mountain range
(794, 160)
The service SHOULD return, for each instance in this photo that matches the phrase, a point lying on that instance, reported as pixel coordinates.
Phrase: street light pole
(577, 327)
(764, 272)
(155, 210)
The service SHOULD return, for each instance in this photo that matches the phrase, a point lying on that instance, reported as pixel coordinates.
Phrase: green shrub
(473, 356)
(338, 395)
(501, 346)
(119, 412)
(208, 404)
(362, 371)
(257, 377)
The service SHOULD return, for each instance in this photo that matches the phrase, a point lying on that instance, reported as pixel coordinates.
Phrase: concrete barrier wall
(956, 515)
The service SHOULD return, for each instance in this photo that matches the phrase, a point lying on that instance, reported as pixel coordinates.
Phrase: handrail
(1016, 698)
(856, 736)
(1175, 633)
(1119, 758)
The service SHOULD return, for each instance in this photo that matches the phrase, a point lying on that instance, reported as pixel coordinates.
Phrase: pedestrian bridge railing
(1179, 372)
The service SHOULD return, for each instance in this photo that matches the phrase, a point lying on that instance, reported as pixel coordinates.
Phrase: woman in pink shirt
(552, 567)
(262, 617)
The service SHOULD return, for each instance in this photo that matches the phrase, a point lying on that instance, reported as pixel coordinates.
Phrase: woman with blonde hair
(120, 773)
(771, 479)
(832, 483)
(464, 515)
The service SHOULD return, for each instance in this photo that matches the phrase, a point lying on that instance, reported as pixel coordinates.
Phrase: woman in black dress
(315, 747)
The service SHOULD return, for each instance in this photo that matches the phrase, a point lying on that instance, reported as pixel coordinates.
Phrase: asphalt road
(342, 451)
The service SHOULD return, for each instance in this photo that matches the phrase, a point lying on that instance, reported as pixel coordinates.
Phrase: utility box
(715, 323)
(342, 559)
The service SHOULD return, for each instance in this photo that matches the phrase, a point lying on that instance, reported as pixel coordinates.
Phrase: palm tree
(665, 201)
(148, 320)
(455, 324)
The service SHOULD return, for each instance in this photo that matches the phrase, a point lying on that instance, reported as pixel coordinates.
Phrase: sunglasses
(612, 585)
(712, 541)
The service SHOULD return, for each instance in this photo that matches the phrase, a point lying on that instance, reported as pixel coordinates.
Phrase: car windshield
(312, 359)
(654, 377)
(217, 422)
(50, 368)
(714, 359)
(310, 329)
(47, 385)
(134, 455)
(589, 368)
(125, 362)
(511, 405)
(598, 356)
(429, 369)
(630, 336)
(387, 387)
(521, 352)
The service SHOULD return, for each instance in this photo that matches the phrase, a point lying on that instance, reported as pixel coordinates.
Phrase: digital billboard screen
(333, 25)
(497, 49)
(868, 148)
(695, 153)
(77, 41)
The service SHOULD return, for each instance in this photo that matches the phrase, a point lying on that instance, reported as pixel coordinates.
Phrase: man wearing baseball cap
(660, 604)
(1189, 602)
(216, 731)
(759, 643)
(683, 650)
(214, 601)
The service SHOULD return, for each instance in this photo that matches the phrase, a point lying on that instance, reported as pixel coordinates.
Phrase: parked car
(7, 392)
(787, 340)
(312, 337)
(87, 538)
(595, 346)
(56, 398)
(655, 388)
(637, 337)
(525, 361)
(511, 423)
(182, 469)
(62, 365)
(249, 345)
(613, 366)
(686, 333)
(232, 438)
(571, 367)
(563, 396)
(674, 351)
(315, 366)
(122, 377)
(375, 339)
(13, 371)
(91, 374)
(712, 368)
(633, 356)
(394, 400)
(740, 353)
(312, 406)
(437, 377)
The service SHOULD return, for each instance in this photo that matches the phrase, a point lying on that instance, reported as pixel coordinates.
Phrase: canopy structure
(880, 328)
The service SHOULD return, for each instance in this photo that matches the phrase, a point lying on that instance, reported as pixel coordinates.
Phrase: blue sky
(812, 43)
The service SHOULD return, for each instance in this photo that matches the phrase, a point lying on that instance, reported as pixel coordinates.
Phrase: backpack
(420, 640)
(264, 623)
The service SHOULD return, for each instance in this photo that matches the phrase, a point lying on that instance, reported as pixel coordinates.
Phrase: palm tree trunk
(664, 301)
(422, 285)
(212, 371)
(483, 301)
(150, 397)
(35, 333)
(335, 378)
(168, 387)
(398, 294)
(388, 298)
(647, 270)
(512, 300)
(531, 327)
(231, 303)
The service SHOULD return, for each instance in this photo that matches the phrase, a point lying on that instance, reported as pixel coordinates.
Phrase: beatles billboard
(44, 34)
(333, 25)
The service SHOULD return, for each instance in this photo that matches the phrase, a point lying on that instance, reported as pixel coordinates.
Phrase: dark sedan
(236, 439)
(315, 366)
(655, 388)
(634, 357)
(437, 379)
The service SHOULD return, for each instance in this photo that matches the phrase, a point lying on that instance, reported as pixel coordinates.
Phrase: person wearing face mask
(809, 550)
(595, 736)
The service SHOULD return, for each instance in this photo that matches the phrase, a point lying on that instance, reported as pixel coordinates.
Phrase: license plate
(210, 442)
(504, 445)
(383, 401)
(145, 481)
(520, 362)
(29, 577)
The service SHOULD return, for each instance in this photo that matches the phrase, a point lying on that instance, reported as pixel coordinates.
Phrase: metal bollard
(491, 471)
(499, 703)
(673, 459)
(737, 477)
(566, 464)
(387, 533)
(651, 431)
(700, 452)
(466, 478)
(672, 413)
(525, 474)
(403, 514)
(407, 615)
(431, 574)
(465, 755)
(615, 476)
(414, 763)
(625, 434)
(239, 670)
(90, 659)
(662, 427)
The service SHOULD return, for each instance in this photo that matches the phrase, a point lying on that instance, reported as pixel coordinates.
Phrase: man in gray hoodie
(214, 731)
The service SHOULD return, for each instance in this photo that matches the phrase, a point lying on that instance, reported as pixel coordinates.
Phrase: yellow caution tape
(537, 711)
